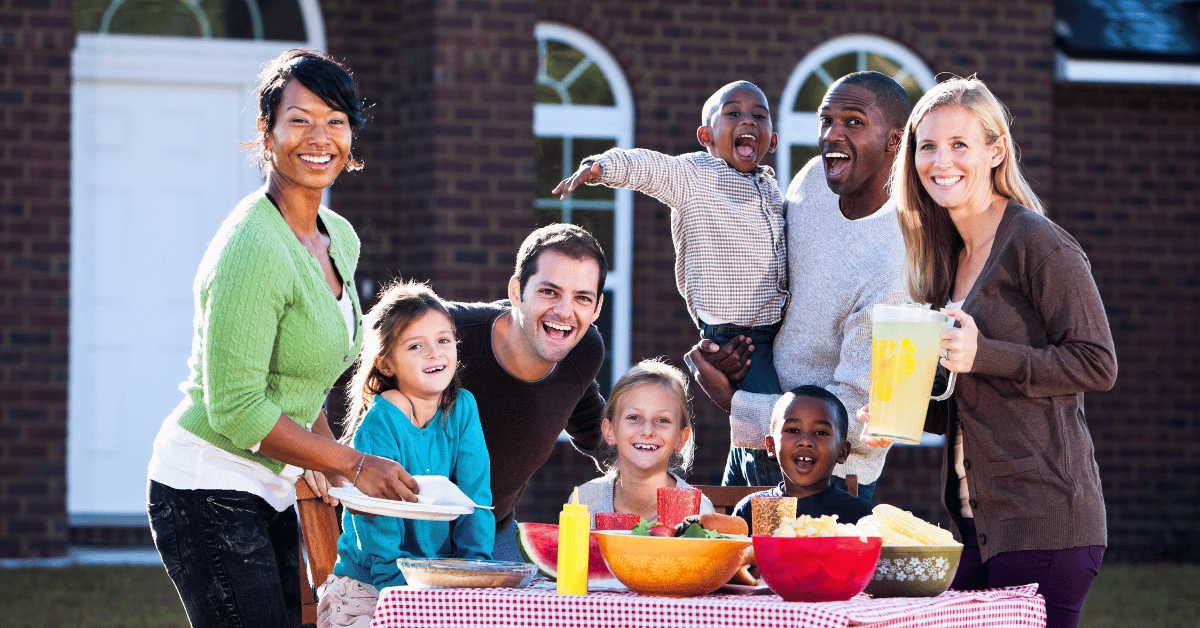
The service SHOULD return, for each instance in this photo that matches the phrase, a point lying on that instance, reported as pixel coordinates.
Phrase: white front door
(155, 168)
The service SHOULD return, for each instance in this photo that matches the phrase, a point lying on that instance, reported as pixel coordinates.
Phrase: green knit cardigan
(269, 336)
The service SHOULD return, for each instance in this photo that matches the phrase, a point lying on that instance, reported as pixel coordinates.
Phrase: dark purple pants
(1063, 576)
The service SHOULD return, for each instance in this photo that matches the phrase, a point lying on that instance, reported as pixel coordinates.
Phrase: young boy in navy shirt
(808, 437)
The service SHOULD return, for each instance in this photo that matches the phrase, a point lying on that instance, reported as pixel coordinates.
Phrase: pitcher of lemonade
(904, 359)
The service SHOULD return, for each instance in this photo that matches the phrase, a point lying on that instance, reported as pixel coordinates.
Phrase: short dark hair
(841, 418)
(318, 72)
(890, 97)
(566, 239)
(713, 104)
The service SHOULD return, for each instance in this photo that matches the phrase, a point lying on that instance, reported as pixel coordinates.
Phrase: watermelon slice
(539, 545)
(676, 503)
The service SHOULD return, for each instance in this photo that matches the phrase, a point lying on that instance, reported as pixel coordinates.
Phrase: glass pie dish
(434, 573)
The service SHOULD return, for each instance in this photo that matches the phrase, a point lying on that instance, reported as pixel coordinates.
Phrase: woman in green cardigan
(277, 321)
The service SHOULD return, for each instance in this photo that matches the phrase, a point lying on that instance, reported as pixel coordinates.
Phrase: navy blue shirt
(831, 501)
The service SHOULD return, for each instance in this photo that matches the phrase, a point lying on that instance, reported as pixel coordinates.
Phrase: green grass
(1129, 596)
(91, 596)
(1143, 596)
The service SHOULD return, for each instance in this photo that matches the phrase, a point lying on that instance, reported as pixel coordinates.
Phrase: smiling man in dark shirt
(532, 360)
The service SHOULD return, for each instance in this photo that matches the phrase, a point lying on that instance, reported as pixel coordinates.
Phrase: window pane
(560, 59)
(800, 156)
(548, 166)
(604, 323)
(143, 17)
(591, 88)
(586, 147)
(280, 20)
(811, 93)
(547, 96)
(840, 66)
(599, 223)
(882, 64)
(913, 88)
(546, 216)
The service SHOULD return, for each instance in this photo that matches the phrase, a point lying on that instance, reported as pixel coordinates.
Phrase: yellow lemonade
(904, 358)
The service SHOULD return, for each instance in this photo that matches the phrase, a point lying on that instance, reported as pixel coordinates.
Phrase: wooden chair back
(724, 498)
(319, 533)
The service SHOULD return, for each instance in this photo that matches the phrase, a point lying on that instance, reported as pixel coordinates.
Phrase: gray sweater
(837, 269)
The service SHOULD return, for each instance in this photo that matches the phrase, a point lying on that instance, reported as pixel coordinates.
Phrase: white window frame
(591, 121)
(801, 127)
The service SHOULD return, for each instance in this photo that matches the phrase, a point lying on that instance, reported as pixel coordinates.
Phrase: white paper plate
(355, 500)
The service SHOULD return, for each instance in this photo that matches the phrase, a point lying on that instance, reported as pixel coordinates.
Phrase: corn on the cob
(903, 528)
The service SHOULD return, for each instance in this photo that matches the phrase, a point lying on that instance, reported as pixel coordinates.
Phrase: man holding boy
(845, 254)
(726, 220)
(532, 362)
(808, 437)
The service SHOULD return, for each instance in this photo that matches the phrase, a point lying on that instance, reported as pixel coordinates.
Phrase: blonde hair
(652, 371)
(400, 304)
(930, 238)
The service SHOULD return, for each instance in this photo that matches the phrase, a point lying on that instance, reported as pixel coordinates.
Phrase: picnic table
(539, 605)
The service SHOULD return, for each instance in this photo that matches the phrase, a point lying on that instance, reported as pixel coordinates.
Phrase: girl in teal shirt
(407, 405)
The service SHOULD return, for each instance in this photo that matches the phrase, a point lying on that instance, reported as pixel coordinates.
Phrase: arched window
(584, 106)
(258, 20)
(798, 126)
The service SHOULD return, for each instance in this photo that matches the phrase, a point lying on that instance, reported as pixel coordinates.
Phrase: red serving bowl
(816, 569)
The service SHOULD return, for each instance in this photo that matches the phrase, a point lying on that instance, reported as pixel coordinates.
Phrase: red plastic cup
(615, 521)
(676, 503)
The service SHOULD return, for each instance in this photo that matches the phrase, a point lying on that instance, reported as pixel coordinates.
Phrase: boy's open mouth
(743, 145)
(557, 331)
(804, 464)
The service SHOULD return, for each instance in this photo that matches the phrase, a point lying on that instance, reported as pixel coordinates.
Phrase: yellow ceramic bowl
(674, 567)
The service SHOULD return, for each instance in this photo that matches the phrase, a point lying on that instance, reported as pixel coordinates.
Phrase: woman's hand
(874, 442)
(589, 173)
(958, 344)
(321, 485)
(381, 477)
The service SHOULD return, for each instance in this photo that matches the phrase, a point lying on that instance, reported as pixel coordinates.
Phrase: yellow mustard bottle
(574, 530)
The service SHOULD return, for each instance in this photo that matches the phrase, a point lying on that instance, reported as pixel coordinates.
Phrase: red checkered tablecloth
(402, 606)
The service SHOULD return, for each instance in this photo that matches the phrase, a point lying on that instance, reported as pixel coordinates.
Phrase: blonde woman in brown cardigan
(1021, 481)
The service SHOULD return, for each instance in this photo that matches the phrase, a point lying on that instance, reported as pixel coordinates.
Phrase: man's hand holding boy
(717, 369)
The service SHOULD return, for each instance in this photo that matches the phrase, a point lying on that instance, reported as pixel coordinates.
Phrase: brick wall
(1127, 163)
(391, 201)
(447, 194)
(36, 40)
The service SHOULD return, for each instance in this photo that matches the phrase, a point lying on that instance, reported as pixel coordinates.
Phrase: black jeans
(234, 559)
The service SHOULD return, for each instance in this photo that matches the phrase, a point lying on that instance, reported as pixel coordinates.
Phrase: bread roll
(725, 524)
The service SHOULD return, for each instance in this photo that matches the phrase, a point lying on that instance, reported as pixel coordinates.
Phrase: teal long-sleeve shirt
(369, 546)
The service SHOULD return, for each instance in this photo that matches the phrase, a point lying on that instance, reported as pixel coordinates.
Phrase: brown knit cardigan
(1043, 341)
